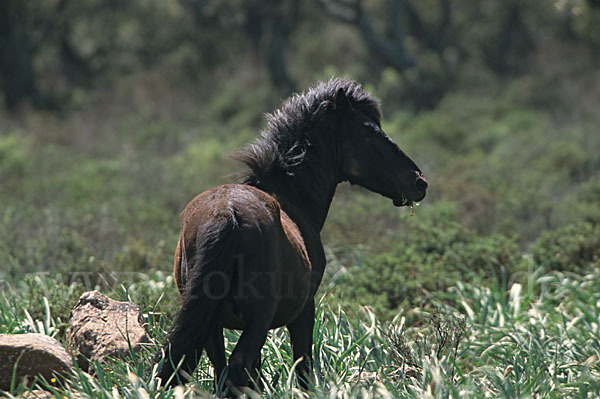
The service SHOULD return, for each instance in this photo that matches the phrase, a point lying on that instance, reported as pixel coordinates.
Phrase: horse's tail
(207, 284)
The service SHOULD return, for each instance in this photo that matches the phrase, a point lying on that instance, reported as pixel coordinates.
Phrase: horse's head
(372, 160)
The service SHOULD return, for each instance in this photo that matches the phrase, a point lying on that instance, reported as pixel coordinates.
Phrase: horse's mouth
(408, 199)
(403, 201)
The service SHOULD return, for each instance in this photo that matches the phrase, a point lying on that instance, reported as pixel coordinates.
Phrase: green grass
(540, 339)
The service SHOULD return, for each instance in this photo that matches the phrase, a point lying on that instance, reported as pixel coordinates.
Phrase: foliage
(55, 53)
(583, 17)
(13, 159)
(575, 247)
(433, 256)
(442, 338)
(539, 340)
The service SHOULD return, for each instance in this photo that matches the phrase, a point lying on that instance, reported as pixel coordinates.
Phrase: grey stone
(34, 354)
(41, 394)
(101, 328)
(38, 394)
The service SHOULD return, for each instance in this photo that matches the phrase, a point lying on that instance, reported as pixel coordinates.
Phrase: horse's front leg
(301, 333)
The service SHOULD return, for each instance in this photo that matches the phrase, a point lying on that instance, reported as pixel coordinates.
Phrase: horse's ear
(341, 100)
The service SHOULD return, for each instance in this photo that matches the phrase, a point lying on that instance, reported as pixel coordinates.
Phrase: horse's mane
(282, 145)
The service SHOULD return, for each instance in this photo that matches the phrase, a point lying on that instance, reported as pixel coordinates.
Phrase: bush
(575, 247)
(15, 161)
(33, 241)
(433, 257)
(584, 207)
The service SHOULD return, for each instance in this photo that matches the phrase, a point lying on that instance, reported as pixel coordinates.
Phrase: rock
(38, 394)
(36, 354)
(41, 394)
(100, 327)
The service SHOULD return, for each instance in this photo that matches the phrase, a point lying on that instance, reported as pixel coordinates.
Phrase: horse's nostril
(421, 184)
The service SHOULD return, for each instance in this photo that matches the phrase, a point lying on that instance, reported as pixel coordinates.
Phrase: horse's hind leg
(215, 349)
(255, 374)
(243, 360)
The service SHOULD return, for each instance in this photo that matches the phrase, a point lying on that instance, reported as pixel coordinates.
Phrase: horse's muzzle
(421, 182)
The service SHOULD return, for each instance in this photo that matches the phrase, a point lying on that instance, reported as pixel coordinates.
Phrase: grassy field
(540, 340)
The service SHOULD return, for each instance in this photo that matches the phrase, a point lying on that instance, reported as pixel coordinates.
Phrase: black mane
(282, 145)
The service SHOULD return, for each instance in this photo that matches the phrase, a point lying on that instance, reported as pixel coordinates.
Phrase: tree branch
(343, 11)
(391, 51)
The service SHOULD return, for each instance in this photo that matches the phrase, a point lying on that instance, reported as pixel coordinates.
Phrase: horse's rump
(270, 261)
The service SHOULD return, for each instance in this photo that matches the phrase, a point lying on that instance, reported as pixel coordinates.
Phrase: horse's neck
(306, 213)
(306, 197)
(308, 204)
(310, 190)
(306, 194)
(310, 219)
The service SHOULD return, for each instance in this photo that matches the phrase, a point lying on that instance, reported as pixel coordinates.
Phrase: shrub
(138, 256)
(439, 339)
(433, 257)
(584, 207)
(575, 247)
(15, 161)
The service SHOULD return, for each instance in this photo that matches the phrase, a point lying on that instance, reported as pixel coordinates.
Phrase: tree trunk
(16, 58)
(275, 43)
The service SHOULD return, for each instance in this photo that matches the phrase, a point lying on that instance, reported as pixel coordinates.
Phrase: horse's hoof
(233, 391)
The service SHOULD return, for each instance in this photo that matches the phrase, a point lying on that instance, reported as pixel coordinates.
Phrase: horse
(250, 256)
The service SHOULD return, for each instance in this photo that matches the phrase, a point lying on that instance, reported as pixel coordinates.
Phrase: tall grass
(540, 339)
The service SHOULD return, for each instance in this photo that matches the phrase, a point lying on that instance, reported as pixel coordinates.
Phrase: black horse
(250, 256)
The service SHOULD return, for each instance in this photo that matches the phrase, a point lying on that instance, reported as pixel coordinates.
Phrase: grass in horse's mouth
(412, 207)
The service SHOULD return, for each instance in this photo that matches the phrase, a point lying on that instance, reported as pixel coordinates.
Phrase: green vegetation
(538, 339)
(107, 134)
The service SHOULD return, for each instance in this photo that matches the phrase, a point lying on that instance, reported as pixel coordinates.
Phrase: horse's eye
(372, 126)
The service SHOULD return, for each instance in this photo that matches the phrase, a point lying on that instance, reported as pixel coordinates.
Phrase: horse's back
(249, 206)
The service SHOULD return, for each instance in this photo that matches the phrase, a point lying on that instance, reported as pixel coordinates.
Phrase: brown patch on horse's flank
(295, 237)
(177, 267)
